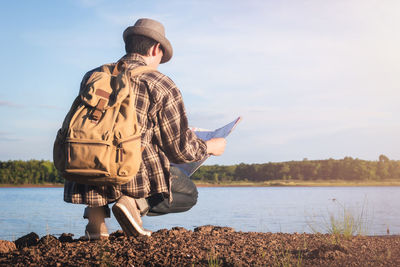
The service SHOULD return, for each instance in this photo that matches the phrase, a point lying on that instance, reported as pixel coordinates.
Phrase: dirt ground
(204, 246)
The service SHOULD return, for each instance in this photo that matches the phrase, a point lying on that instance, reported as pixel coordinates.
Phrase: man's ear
(155, 49)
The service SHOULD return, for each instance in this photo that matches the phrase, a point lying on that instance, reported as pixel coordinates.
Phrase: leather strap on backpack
(99, 109)
(118, 68)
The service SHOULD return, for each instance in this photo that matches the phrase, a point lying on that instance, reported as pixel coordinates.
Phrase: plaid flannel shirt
(165, 137)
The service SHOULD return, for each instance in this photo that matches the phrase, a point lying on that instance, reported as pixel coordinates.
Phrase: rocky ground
(205, 246)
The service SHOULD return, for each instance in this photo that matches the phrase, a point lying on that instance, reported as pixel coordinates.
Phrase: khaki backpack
(99, 142)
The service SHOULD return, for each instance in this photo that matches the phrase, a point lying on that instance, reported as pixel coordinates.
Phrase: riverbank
(30, 185)
(322, 183)
(205, 246)
(251, 184)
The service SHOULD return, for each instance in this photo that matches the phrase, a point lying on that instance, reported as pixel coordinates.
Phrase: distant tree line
(347, 169)
(29, 172)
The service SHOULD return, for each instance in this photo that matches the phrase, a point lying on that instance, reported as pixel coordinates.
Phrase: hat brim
(166, 45)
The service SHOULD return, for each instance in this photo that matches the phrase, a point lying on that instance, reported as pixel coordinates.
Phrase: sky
(311, 79)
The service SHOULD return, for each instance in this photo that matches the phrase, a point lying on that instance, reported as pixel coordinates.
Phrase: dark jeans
(184, 196)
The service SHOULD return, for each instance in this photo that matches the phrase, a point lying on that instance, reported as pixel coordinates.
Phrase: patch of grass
(47, 234)
(284, 258)
(345, 223)
(348, 224)
(388, 254)
(213, 260)
(262, 252)
(387, 229)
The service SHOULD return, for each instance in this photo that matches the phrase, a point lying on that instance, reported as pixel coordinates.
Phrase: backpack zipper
(120, 148)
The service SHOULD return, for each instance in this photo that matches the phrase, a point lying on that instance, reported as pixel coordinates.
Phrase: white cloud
(9, 104)
(8, 137)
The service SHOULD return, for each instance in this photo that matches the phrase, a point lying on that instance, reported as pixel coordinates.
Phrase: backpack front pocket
(88, 157)
(129, 156)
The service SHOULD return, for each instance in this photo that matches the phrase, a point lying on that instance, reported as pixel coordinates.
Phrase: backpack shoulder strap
(141, 69)
(121, 66)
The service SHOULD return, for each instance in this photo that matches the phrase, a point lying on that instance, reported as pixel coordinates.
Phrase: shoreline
(276, 183)
(31, 185)
(204, 185)
(305, 185)
(282, 183)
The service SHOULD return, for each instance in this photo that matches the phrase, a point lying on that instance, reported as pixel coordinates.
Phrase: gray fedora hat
(154, 30)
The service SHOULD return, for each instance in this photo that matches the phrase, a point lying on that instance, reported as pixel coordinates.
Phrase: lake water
(261, 209)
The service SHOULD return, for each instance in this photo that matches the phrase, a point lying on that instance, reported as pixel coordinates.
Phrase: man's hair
(139, 44)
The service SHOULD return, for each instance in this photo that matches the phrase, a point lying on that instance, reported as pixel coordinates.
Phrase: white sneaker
(128, 216)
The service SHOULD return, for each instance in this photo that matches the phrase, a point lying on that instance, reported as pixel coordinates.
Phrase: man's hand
(216, 146)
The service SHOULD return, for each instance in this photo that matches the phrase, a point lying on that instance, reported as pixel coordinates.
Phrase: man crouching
(158, 188)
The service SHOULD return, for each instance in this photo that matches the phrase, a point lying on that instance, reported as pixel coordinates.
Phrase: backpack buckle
(99, 109)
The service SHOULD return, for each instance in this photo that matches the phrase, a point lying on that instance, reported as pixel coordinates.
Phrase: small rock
(178, 230)
(28, 240)
(117, 234)
(66, 237)
(49, 240)
(223, 229)
(140, 238)
(161, 231)
(204, 229)
(6, 246)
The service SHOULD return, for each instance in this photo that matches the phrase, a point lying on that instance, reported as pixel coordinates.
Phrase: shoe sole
(127, 222)
(96, 236)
